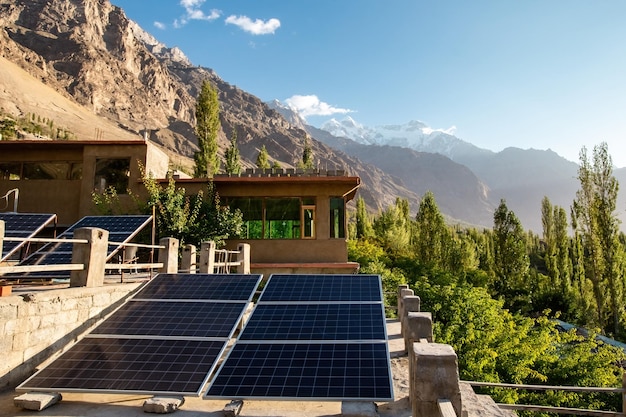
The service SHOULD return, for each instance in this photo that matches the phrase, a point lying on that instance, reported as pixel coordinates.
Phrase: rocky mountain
(92, 55)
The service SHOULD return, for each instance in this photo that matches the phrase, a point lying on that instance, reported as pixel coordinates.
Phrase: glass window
(282, 218)
(112, 173)
(252, 212)
(337, 218)
(10, 171)
(308, 216)
(45, 170)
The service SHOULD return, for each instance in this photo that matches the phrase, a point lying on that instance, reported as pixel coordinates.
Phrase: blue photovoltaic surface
(316, 322)
(126, 365)
(201, 287)
(311, 337)
(308, 288)
(154, 346)
(174, 319)
(22, 225)
(121, 230)
(337, 371)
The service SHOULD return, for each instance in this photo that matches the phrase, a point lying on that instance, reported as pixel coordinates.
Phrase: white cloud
(256, 27)
(159, 25)
(312, 106)
(193, 12)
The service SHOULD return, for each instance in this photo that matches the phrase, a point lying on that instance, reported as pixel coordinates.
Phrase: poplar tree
(262, 161)
(594, 208)
(433, 237)
(363, 222)
(307, 156)
(232, 163)
(207, 129)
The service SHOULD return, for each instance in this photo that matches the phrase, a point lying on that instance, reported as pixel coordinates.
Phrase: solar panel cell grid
(309, 288)
(173, 319)
(130, 365)
(316, 322)
(201, 287)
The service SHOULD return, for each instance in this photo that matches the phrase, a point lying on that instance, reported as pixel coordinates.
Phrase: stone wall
(37, 326)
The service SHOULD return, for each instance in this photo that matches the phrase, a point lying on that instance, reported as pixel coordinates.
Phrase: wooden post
(243, 257)
(168, 255)
(207, 257)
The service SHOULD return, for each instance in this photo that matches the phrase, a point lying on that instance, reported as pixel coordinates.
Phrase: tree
(363, 222)
(262, 161)
(594, 210)
(433, 237)
(511, 261)
(307, 156)
(232, 164)
(207, 129)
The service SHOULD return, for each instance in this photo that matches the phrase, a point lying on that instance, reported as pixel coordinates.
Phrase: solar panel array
(21, 225)
(166, 340)
(121, 230)
(311, 337)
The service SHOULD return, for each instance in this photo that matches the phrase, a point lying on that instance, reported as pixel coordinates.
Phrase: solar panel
(308, 288)
(154, 346)
(174, 319)
(311, 337)
(121, 230)
(333, 371)
(125, 365)
(316, 322)
(201, 287)
(22, 225)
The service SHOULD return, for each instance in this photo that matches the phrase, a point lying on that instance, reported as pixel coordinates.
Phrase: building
(294, 221)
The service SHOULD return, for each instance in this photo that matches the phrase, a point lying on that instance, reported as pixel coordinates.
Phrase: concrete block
(8, 308)
(163, 405)
(37, 401)
(358, 409)
(233, 408)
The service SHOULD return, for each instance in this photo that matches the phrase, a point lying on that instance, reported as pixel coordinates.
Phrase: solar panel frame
(61, 253)
(22, 225)
(127, 366)
(186, 357)
(246, 374)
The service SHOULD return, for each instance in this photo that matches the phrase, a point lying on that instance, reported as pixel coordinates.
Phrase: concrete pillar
(1, 236)
(188, 263)
(399, 298)
(168, 255)
(207, 258)
(404, 292)
(93, 255)
(243, 257)
(410, 303)
(418, 325)
(434, 373)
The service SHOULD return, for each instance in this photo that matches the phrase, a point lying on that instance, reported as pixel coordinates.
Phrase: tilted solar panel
(200, 286)
(153, 346)
(121, 230)
(308, 288)
(22, 225)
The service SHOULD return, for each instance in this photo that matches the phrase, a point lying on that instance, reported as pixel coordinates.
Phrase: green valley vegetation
(19, 127)
(495, 294)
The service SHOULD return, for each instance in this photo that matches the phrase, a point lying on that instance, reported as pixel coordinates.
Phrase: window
(337, 218)
(276, 218)
(112, 173)
(41, 171)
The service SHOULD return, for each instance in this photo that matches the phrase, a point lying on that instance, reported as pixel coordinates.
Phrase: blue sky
(543, 74)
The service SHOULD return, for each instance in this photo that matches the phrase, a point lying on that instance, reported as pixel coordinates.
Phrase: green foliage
(307, 161)
(207, 129)
(262, 160)
(11, 128)
(233, 161)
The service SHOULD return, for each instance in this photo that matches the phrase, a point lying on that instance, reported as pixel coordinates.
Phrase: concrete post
(410, 303)
(207, 258)
(93, 255)
(405, 292)
(168, 255)
(434, 374)
(243, 257)
(418, 325)
(188, 262)
(399, 298)
(1, 236)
